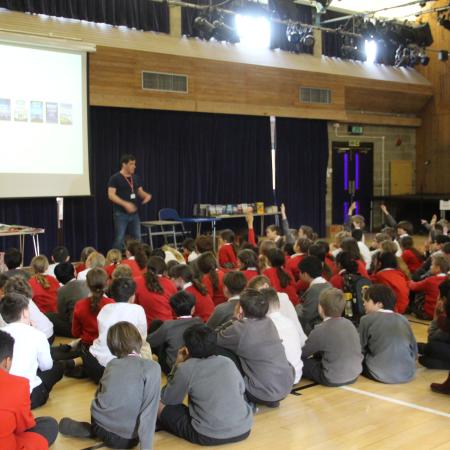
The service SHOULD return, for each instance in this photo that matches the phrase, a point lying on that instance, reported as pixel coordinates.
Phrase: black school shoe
(70, 427)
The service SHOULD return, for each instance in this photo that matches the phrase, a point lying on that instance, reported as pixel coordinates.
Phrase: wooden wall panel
(433, 137)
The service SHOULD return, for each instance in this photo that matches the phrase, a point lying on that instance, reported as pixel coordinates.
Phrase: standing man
(123, 189)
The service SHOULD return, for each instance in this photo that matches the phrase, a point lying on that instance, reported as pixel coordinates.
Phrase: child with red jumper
(430, 286)
(280, 280)
(212, 277)
(388, 274)
(184, 278)
(301, 250)
(248, 260)
(227, 251)
(44, 287)
(412, 257)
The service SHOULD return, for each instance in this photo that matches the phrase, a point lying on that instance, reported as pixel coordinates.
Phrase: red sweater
(227, 257)
(80, 267)
(204, 305)
(217, 295)
(292, 265)
(397, 281)
(156, 306)
(84, 323)
(110, 269)
(250, 273)
(45, 299)
(362, 268)
(290, 289)
(133, 265)
(430, 286)
(337, 280)
(411, 260)
(16, 417)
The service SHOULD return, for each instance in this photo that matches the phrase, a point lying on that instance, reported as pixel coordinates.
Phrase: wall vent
(165, 82)
(315, 95)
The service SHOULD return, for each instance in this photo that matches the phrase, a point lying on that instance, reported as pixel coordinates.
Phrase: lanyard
(130, 183)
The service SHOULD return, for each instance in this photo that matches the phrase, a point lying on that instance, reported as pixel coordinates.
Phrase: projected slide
(43, 126)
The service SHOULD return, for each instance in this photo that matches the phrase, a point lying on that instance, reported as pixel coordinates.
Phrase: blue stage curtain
(301, 166)
(183, 158)
(140, 14)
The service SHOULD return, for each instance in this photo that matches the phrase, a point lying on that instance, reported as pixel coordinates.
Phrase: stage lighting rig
(301, 38)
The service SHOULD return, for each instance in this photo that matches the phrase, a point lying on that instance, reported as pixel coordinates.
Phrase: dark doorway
(352, 178)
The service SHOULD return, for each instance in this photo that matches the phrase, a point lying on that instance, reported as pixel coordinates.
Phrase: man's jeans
(125, 224)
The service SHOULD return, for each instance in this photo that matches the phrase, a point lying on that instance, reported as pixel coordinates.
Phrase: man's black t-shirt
(123, 189)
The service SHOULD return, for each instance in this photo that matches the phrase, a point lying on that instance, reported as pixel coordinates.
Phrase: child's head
(6, 350)
(441, 240)
(357, 234)
(339, 237)
(159, 252)
(273, 232)
(444, 294)
(259, 282)
(227, 236)
(307, 232)
(64, 272)
(60, 254)
(387, 260)
(302, 245)
(289, 249)
(200, 341)
(157, 265)
(389, 247)
(406, 242)
(141, 258)
(379, 238)
(439, 264)
(404, 227)
(275, 257)
(132, 246)
(379, 296)
(122, 290)
(207, 262)
(122, 271)
(234, 283)
(39, 264)
(14, 308)
(318, 251)
(95, 259)
(253, 304)
(272, 298)
(18, 285)
(85, 253)
(247, 258)
(331, 303)
(390, 232)
(344, 261)
(181, 274)
(114, 256)
(96, 280)
(182, 303)
(358, 221)
(350, 245)
(188, 245)
(124, 339)
(204, 244)
(310, 267)
(12, 258)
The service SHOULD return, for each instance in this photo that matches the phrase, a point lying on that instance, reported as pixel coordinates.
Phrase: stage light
(223, 32)
(253, 31)
(308, 40)
(293, 34)
(204, 27)
(443, 55)
(371, 51)
(301, 38)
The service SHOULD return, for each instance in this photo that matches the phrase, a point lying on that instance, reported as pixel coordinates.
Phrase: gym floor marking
(398, 402)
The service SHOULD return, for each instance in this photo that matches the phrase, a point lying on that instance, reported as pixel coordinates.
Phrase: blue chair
(172, 214)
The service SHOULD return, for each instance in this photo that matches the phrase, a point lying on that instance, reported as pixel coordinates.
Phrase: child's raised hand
(249, 217)
(384, 209)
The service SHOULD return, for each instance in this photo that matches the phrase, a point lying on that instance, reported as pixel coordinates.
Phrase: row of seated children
(253, 308)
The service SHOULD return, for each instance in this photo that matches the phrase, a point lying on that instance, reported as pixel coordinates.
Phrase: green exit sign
(355, 129)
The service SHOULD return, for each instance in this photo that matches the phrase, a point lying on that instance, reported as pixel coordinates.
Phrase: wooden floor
(364, 415)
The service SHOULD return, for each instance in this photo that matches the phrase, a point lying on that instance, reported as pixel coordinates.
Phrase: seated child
(32, 359)
(44, 286)
(125, 407)
(60, 254)
(233, 284)
(332, 354)
(387, 273)
(168, 338)
(227, 250)
(95, 260)
(13, 261)
(436, 353)
(430, 285)
(301, 250)
(388, 343)
(67, 296)
(212, 276)
(217, 412)
(19, 430)
(410, 255)
(311, 273)
(267, 373)
(291, 338)
(122, 291)
(248, 260)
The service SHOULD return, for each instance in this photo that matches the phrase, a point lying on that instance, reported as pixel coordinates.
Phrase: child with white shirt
(32, 358)
(388, 343)
(293, 339)
(122, 291)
